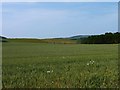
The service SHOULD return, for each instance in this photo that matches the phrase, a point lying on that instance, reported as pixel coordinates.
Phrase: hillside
(3, 39)
(79, 37)
(107, 38)
(52, 40)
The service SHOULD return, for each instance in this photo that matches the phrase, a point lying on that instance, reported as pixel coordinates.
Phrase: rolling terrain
(51, 41)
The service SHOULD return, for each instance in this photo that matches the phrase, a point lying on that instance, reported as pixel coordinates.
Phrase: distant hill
(79, 37)
(67, 40)
(50, 40)
(3, 39)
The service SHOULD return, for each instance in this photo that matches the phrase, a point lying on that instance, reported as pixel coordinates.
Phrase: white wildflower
(52, 71)
(48, 71)
(52, 82)
(91, 62)
(87, 63)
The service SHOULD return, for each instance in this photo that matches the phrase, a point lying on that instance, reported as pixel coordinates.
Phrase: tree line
(107, 38)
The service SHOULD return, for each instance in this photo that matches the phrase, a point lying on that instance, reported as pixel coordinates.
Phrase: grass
(37, 65)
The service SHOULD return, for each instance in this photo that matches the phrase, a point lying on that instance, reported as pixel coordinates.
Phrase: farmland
(46, 65)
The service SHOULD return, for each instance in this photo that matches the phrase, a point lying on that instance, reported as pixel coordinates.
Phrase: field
(54, 41)
(44, 65)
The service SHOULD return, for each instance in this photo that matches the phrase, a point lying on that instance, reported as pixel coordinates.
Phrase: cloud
(52, 22)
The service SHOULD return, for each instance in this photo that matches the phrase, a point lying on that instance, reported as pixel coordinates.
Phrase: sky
(60, 0)
(58, 19)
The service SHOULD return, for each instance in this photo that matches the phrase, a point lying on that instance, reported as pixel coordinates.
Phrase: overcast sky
(44, 20)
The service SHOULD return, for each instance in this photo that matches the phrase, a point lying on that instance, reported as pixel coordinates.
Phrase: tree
(107, 38)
